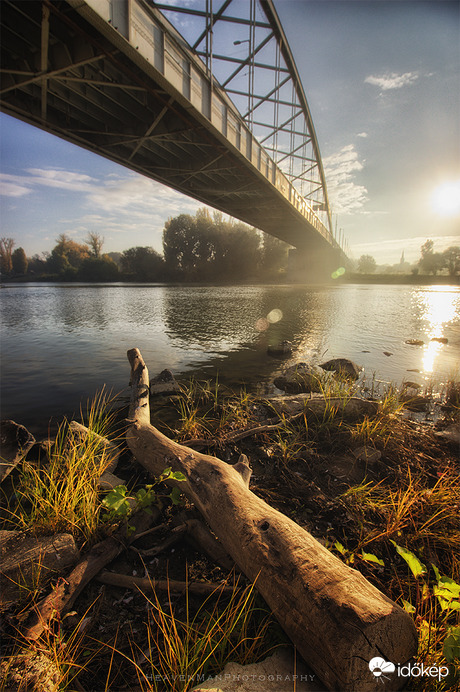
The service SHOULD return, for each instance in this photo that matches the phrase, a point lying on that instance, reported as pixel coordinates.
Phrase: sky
(382, 80)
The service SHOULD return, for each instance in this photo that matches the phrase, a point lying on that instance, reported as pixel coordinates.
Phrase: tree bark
(337, 620)
(148, 585)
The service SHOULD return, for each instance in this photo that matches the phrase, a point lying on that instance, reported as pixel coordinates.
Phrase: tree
(19, 261)
(6, 250)
(366, 264)
(451, 260)
(143, 264)
(98, 269)
(274, 255)
(67, 256)
(95, 243)
(430, 262)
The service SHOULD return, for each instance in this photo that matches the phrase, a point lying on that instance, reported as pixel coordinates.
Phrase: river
(62, 342)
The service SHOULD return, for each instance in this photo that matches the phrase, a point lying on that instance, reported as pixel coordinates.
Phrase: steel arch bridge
(204, 97)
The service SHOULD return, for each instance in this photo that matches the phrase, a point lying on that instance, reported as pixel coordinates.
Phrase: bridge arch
(117, 77)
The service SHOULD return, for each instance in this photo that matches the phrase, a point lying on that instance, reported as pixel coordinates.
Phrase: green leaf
(451, 647)
(176, 496)
(339, 547)
(408, 607)
(449, 585)
(178, 476)
(416, 567)
(369, 557)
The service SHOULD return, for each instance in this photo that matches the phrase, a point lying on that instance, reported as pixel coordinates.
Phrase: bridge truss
(246, 50)
(203, 96)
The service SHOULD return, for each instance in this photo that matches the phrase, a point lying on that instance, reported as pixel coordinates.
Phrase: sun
(445, 199)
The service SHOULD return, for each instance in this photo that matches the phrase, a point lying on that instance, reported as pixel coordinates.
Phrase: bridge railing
(157, 41)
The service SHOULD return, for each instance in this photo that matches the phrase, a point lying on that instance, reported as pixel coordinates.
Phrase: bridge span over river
(216, 110)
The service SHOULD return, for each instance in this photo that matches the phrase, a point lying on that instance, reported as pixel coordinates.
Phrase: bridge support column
(313, 265)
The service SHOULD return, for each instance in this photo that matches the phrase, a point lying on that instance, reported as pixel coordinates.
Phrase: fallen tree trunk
(337, 620)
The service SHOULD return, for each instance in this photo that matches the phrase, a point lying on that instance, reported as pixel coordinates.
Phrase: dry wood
(29, 562)
(201, 538)
(65, 593)
(174, 537)
(146, 585)
(337, 620)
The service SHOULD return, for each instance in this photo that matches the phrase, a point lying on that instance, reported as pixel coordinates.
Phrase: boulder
(414, 342)
(283, 348)
(440, 339)
(299, 378)
(342, 366)
(277, 673)
(164, 384)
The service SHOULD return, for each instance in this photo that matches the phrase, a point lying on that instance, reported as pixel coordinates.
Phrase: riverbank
(378, 490)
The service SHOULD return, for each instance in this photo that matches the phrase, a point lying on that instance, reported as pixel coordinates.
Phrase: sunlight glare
(439, 310)
(445, 199)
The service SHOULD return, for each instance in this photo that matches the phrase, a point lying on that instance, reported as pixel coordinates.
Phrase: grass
(60, 493)
(410, 498)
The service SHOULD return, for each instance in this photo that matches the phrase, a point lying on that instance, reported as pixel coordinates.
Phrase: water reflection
(61, 342)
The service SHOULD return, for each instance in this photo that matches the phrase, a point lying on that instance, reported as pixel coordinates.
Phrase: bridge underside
(77, 81)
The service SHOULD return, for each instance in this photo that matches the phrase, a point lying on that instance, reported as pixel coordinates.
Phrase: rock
(277, 673)
(368, 455)
(353, 408)
(300, 378)
(414, 342)
(31, 670)
(414, 403)
(284, 348)
(343, 366)
(451, 434)
(440, 339)
(387, 353)
(411, 385)
(163, 384)
(15, 442)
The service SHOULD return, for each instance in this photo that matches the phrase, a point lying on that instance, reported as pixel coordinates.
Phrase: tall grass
(60, 494)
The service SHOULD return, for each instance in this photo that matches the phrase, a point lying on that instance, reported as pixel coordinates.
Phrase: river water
(62, 342)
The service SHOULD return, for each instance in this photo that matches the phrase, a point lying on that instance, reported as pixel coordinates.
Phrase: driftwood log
(28, 562)
(337, 620)
(15, 442)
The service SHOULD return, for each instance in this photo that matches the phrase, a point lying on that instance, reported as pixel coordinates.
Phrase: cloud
(11, 186)
(345, 195)
(362, 134)
(393, 80)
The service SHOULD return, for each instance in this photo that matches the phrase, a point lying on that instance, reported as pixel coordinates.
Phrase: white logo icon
(378, 666)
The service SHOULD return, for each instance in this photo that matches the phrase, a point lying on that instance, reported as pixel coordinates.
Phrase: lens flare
(274, 316)
(445, 199)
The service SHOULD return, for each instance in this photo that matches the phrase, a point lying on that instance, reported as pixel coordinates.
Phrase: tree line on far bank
(200, 248)
(195, 248)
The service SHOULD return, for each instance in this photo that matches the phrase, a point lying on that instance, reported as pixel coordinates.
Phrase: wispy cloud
(389, 251)
(345, 195)
(392, 80)
(362, 134)
(11, 186)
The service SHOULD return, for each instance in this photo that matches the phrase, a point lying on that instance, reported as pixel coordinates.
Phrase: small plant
(436, 604)
(119, 504)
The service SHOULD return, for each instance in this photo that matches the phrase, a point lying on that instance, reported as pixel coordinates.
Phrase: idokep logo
(381, 668)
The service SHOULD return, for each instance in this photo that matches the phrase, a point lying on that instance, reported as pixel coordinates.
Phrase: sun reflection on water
(437, 309)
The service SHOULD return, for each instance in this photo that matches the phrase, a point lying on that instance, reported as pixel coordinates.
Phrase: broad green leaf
(451, 647)
(416, 567)
(178, 476)
(449, 585)
(372, 558)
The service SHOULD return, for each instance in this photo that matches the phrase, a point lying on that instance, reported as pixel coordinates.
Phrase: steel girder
(246, 49)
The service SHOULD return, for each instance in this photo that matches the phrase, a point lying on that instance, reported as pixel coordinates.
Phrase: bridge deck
(116, 78)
